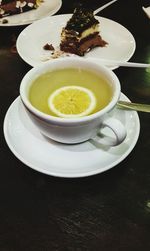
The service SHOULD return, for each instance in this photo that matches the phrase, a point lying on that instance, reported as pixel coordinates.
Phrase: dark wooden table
(109, 211)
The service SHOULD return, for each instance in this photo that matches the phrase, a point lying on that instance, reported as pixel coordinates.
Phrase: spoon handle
(104, 6)
(111, 63)
(127, 64)
(134, 106)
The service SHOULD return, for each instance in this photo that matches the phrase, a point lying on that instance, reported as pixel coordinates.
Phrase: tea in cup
(69, 100)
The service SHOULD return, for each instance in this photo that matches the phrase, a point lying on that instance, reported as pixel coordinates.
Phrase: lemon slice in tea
(72, 102)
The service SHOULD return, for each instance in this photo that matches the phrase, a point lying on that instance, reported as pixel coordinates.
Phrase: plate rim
(30, 62)
(61, 174)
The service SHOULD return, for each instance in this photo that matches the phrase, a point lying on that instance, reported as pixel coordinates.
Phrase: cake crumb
(56, 54)
(48, 47)
(5, 21)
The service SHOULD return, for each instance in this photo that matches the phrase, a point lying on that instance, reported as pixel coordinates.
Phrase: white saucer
(61, 160)
(47, 8)
(30, 42)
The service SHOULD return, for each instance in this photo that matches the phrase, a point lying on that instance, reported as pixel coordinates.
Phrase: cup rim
(42, 68)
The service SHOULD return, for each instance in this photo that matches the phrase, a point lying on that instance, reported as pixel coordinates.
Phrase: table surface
(109, 211)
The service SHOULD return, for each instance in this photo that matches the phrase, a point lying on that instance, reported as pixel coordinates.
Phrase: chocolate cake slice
(11, 7)
(81, 33)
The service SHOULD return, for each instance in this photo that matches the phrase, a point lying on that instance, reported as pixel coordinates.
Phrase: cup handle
(118, 129)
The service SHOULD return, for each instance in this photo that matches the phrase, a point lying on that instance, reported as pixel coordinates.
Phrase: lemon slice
(72, 102)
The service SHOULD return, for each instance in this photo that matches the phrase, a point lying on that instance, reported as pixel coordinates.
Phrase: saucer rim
(70, 175)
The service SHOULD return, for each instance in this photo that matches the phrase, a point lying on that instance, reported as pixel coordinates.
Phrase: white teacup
(75, 130)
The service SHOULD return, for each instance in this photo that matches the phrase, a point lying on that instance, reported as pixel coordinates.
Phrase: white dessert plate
(61, 160)
(47, 8)
(121, 43)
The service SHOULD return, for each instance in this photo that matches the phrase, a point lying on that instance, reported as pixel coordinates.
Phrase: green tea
(46, 84)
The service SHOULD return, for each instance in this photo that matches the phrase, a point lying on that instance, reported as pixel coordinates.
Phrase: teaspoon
(134, 106)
